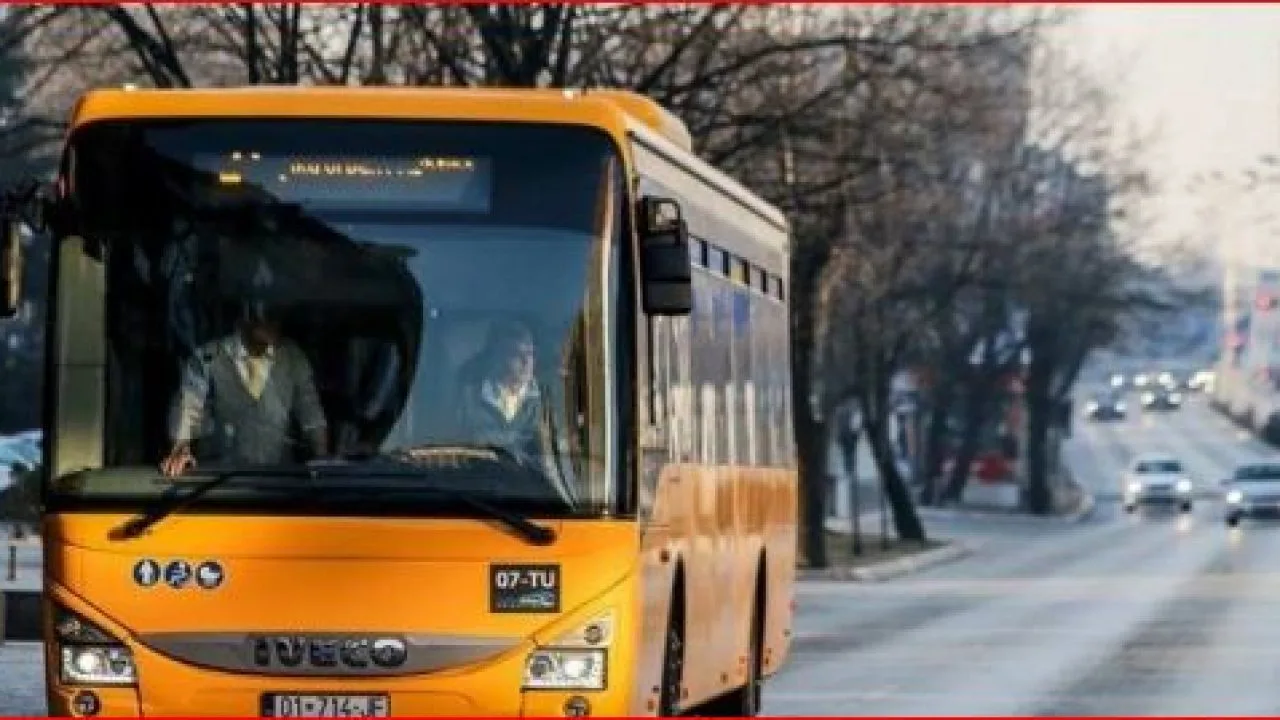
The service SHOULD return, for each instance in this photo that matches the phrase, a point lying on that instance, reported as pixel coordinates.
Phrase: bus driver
(239, 395)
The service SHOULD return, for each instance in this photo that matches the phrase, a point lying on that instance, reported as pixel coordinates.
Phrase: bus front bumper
(527, 678)
(169, 688)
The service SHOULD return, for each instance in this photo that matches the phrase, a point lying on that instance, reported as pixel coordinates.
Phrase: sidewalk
(22, 680)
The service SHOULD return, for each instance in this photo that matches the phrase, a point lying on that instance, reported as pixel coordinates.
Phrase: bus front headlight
(576, 660)
(554, 669)
(88, 655)
(1235, 497)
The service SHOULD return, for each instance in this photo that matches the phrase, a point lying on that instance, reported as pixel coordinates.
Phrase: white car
(1253, 491)
(1159, 480)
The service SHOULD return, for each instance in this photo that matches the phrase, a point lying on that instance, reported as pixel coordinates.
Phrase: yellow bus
(371, 402)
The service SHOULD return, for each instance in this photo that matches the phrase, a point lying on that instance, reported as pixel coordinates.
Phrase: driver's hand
(178, 461)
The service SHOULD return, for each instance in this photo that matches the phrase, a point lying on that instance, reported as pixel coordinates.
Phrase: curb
(891, 569)
(978, 514)
(1087, 505)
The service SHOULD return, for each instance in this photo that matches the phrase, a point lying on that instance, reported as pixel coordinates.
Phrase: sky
(1204, 79)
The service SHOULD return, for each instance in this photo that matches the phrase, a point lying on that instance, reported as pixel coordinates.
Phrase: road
(1116, 615)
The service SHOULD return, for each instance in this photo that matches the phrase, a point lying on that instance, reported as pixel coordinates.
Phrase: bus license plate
(280, 705)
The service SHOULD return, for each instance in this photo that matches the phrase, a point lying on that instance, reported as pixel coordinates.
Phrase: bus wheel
(672, 666)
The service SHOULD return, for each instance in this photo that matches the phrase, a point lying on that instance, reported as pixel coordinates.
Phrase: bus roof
(381, 102)
(342, 101)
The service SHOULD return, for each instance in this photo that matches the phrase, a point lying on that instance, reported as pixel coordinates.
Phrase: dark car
(1161, 399)
(1105, 407)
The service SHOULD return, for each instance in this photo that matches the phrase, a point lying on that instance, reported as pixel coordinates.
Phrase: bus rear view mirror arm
(665, 266)
(21, 205)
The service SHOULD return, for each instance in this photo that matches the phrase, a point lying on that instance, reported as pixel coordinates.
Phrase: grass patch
(874, 549)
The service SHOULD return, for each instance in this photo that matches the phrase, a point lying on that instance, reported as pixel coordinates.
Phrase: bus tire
(673, 658)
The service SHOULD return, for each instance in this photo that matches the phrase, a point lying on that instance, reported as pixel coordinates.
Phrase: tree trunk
(905, 518)
(1039, 408)
(875, 415)
(975, 415)
(810, 432)
(941, 402)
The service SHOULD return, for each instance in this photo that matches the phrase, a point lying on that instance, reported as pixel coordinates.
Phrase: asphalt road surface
(1118, 615)
(1156, 614)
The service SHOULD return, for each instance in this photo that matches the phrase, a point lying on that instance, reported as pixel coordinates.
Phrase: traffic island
(881, 560)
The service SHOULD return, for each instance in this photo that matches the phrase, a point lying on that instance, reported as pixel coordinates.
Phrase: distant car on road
(1161, 400)
(1253, 491)
(1157, 480)
(1106, 406)
(1181, 380)
(1201, 381)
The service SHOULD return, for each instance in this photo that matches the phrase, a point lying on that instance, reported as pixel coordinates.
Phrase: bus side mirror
(666, 270)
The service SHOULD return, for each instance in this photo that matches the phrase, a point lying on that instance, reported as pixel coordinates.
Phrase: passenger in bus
(500, 403)
(240, 396)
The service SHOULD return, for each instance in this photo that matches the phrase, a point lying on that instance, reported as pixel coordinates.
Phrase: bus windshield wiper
(523, 526)
(139, 524)
(425, 455)
(404, 463)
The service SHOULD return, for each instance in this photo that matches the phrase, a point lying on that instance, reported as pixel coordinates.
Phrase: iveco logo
(357, 652)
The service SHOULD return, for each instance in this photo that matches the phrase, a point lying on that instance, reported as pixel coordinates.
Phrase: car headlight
(1135, 487)
(1091, 406)
(1175, 398)
(577, 660)
(88, 655)
(1148, 397)
(1235, 497)
(1120, 407)
(1184, 486)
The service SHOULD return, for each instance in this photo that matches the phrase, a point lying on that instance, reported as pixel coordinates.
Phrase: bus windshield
(423, 299)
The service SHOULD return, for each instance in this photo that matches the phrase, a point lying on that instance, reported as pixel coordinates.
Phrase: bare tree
(938, 125)
(1081, 193)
